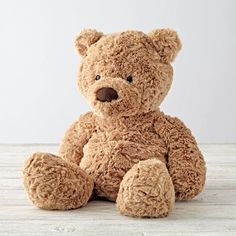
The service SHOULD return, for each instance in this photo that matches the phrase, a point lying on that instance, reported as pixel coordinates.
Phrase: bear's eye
(98, 77)
(129, 78)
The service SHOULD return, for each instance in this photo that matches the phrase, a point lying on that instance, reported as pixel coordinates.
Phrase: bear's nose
(106, 94)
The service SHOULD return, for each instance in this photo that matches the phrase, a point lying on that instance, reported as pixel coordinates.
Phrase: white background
(38, 63)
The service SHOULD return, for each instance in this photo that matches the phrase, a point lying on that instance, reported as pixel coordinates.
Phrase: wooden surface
(212, 213)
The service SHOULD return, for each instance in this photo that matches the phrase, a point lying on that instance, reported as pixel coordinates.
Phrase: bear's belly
(107, 162)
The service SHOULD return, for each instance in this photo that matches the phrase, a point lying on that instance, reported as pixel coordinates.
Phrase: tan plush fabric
(146, 190)
(52, 183)
(126, 149)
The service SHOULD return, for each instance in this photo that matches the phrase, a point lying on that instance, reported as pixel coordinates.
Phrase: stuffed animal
(125, 150)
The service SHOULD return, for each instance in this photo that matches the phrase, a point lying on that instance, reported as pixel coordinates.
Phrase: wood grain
(212, 213)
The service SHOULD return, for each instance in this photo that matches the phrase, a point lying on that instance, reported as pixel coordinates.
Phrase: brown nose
(106, 94)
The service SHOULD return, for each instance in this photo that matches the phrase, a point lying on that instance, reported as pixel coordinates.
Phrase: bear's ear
(85, 39)
(167, 43)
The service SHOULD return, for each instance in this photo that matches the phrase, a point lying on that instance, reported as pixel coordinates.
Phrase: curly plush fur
(126, 150)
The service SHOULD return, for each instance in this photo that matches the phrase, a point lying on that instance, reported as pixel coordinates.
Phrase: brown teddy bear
(126, 149)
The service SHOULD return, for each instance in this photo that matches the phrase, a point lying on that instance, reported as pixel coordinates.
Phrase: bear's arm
(185, 162)
(77, 135)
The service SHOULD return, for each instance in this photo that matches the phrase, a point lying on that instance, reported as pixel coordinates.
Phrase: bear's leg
(52, 183)
(146, 190)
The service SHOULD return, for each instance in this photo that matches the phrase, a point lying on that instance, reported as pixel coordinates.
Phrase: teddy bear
(126, 149)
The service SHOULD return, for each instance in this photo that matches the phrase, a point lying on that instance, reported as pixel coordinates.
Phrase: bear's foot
(52, 183)
(146, 190)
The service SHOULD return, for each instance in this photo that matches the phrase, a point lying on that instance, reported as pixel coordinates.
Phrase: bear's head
(127, 73)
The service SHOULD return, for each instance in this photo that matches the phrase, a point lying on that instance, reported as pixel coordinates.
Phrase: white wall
(38, 64)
